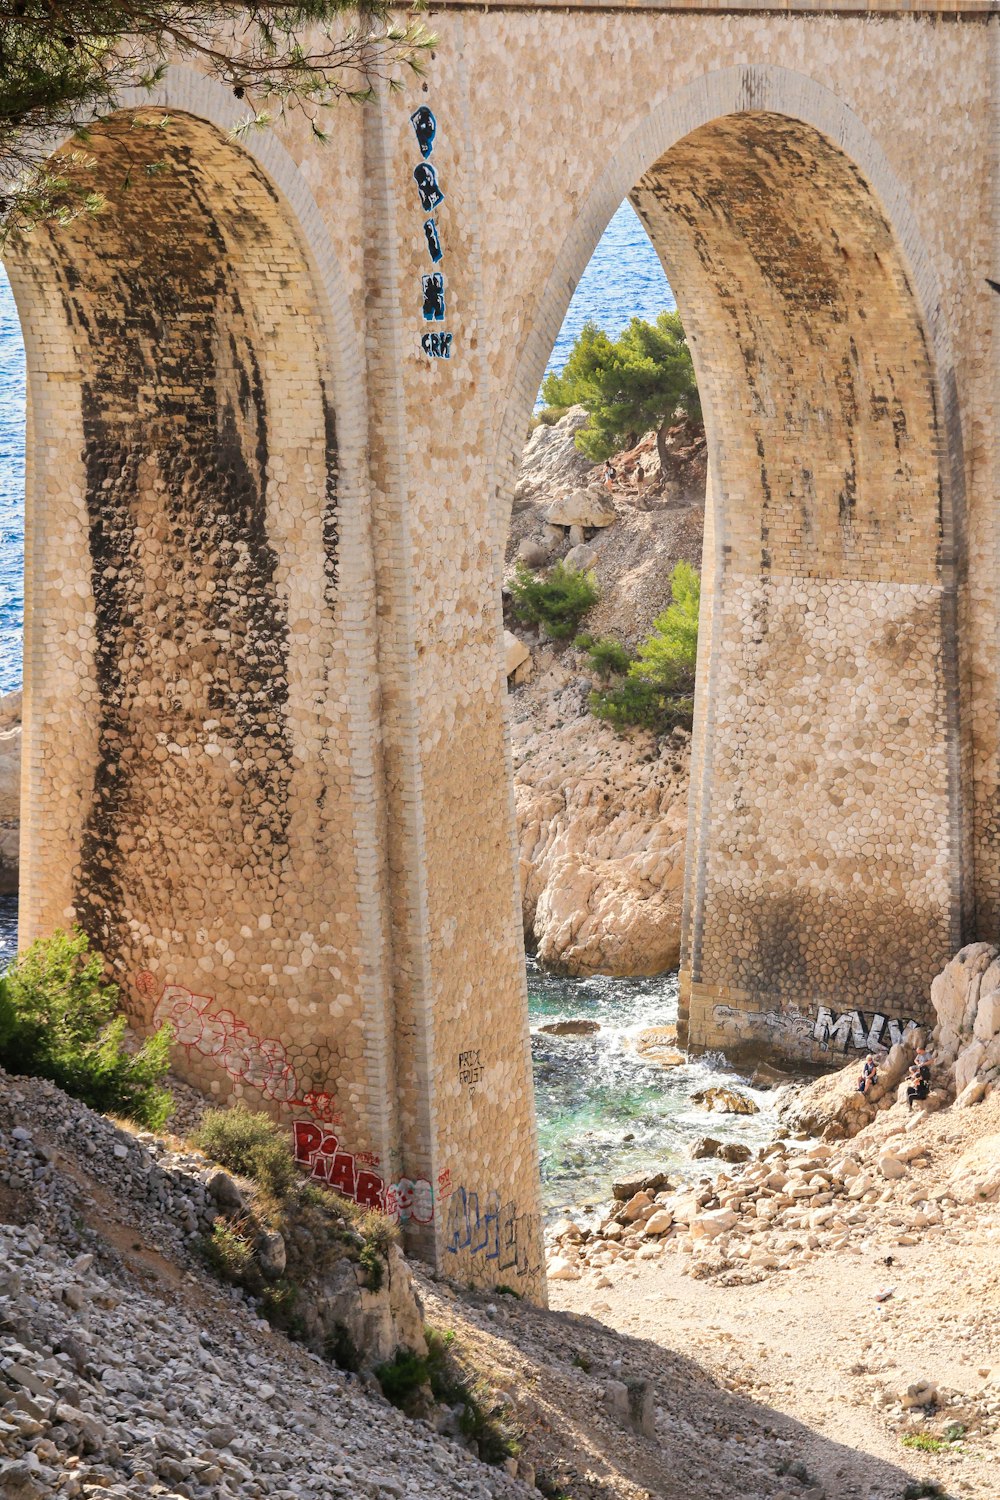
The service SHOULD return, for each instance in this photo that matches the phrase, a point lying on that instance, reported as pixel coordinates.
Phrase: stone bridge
(277, 400)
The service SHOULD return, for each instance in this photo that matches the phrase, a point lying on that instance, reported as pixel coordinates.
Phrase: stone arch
(828, 860)
(199, 637)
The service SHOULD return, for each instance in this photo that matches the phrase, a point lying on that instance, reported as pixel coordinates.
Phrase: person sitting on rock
(920, 1083)
(869, 1075)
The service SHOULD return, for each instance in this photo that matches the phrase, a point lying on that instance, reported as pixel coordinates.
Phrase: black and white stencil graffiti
(851, 1029)
(433, 239)
(427, 186)
(433, 297)
(436, 345)
(424, 128)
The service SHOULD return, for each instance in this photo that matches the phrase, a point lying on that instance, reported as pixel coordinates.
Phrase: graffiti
(471, 1070)
(410, 1202)
(436, 345)
(501, 1234)
(319, 1150)
(321, 1153)
(433, 286)
(261, 1062)
(424, 128)
(433, 240)
(850, 1029)
(444, 1183)
(427, 186)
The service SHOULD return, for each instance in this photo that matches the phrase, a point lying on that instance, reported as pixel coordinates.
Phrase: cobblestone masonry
(266, 757)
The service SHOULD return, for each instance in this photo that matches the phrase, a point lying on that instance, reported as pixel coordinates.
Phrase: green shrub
(402, 1378)
(607, 657)
(558, 601)
(657, 693)
(251, 1145)
(671, 651)
(639, 704)
(229, 1250)
(58, 1021)
(925, 1442)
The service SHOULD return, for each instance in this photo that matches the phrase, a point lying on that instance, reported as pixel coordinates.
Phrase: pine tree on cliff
(643, 379)
(65, 63)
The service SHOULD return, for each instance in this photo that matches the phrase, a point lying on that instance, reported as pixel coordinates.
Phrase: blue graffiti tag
(424, 128)
(433, 239)
(436, 345)
(431, 195)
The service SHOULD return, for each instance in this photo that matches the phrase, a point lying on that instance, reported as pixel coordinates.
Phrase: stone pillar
(467, 1136)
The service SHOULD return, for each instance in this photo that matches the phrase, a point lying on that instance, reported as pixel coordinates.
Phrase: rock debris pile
(126, 1370)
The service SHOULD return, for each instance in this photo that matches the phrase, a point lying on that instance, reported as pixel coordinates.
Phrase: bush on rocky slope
(58, 1021)
(286, 1232)
(657, 691)
(558, 602)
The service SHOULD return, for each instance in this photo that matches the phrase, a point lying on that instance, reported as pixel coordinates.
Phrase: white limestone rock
(532, 554)
(592, 507)
(580, 557)
(516, 653)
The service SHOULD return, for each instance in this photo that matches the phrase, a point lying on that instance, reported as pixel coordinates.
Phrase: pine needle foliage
(558, 601)
(58, 1021)
(64, 65)
(629, 385)
(657, 688)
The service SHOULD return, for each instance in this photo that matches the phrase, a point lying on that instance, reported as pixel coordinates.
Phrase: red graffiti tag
(245, 1057)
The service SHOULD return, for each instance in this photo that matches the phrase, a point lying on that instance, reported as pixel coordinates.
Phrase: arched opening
(827, 864)
(188, 793)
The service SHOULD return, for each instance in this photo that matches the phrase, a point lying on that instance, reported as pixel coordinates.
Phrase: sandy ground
(767, 1383)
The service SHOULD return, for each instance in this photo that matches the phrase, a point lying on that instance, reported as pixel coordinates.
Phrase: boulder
(602, 825)
(532, 554)
(635, 1206)
(918, 1393)
(708, 1225)
(657, 1044)
(571, 1028)
(734, 1151)
(580, 557)
(955, 994)
(592, 507)
(223, 1190)
(515, 653)
(726, 1101)
(650, 1182)
(704, 1146)
(890, 1165)
(658, 1222)
(271, 1254)
(551, 460)
(561, 1269)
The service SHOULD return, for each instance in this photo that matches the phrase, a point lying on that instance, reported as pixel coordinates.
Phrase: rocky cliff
(601, 817)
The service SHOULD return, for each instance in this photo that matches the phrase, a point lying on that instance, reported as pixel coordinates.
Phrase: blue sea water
(623, 280)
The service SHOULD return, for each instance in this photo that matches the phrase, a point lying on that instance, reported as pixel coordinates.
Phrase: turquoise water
(602, 1111)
